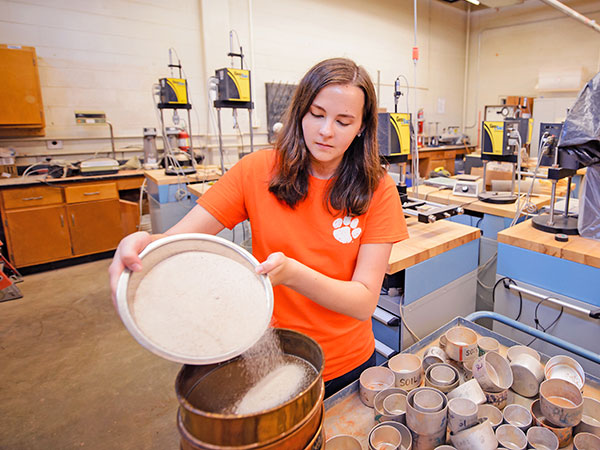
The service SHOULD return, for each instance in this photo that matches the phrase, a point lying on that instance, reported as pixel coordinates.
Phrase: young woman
(323, 212)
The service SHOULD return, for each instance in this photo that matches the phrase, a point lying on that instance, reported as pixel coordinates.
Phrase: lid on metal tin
(197, 299)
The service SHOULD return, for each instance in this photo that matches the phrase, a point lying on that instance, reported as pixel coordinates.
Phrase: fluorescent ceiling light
(475, 2)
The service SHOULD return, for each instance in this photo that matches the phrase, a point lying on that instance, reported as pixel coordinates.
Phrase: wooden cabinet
(22, 111)
(50, 223)
(95, 226)
(37, 235)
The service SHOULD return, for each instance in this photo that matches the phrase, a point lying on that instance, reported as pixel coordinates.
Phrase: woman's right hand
(127, 255)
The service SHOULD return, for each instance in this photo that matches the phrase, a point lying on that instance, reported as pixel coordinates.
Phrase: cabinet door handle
(91, 193)
(28, 199)
(62, 221)
(73, 219)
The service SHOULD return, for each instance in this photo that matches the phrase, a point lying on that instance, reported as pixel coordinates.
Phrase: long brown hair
(360, 171)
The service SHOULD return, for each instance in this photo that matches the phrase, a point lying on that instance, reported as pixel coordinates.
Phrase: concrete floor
(71, 376)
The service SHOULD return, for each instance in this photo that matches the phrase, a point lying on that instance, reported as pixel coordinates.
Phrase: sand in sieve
(200, 304)
(274, 389)
(253, 382)
(274, 376)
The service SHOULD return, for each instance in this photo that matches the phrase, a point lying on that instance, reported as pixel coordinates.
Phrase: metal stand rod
(556, 301)
(220, 141)
(566, 214)
(537, 333)
(484, 170)
(553, 193)
(512, 183)
(167, 150)
(192, 155)
(552, 200)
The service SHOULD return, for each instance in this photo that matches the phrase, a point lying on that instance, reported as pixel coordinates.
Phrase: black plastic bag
(579, 144)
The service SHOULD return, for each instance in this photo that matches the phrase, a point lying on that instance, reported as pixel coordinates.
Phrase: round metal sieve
(170, 246)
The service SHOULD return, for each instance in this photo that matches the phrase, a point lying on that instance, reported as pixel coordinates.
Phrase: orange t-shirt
(310, 234)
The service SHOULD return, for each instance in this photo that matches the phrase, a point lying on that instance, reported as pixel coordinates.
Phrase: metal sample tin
(565, 368)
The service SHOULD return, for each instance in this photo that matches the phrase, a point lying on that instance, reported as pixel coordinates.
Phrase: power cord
(142, 190)
(385, 291)
(468, 203)
(403, 319)
(537, 321)
(482, 268)
(478, 222)
(509, 280)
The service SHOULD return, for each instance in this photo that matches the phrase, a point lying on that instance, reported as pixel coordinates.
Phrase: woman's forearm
(351, 298)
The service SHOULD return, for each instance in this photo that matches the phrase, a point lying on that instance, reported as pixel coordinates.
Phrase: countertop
(198, 188)
(39, 179)
(446, 197)
(428, 240)
(204, 173)
(576, 249)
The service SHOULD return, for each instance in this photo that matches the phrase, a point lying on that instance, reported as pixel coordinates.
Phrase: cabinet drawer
(130, 183)
(91, 192)
(31, 196)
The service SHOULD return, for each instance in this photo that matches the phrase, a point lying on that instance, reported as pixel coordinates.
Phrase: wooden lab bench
(490, 218)
(568, 271)
(435, 271)
(445, 197)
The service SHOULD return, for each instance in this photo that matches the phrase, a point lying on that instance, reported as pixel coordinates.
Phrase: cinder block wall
(106, 56)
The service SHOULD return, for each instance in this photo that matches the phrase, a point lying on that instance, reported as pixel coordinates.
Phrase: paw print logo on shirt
(346, 229)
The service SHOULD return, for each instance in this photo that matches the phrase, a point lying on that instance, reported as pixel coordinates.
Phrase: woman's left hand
(278, 267)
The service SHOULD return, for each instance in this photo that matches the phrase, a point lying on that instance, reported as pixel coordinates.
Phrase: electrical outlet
(54, 144)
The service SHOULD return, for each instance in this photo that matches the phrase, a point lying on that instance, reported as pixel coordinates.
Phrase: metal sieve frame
(169, 246)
